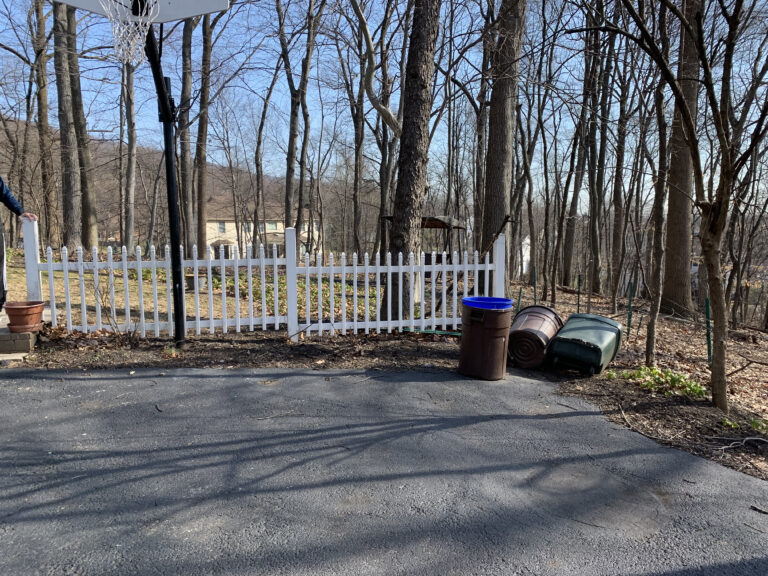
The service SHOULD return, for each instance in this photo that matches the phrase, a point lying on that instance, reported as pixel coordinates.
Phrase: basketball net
(131, 20)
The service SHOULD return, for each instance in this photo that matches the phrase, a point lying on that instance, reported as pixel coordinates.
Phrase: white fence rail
(258, 290)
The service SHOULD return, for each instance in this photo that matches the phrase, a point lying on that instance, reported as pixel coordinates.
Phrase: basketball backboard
(168, 10)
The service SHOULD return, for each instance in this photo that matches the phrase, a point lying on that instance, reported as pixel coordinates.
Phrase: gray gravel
(351, 473)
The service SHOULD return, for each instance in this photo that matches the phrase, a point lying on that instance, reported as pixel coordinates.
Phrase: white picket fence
(133, 293)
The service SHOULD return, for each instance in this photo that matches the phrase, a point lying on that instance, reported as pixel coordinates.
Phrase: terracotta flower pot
(25, 316)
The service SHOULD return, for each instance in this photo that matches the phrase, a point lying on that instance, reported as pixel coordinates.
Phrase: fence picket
(354, 293)
(367, 294)
(486, 284)
(81, 282)
(433, 287)
(126, 292)
(156, 311)
(263, 287)
(168, 289)
(249, 258)
(444, 292)
(96, 290)
(183, 290)
(456, 264)
(400, 291)
(209, 266)
(413, 292)
(343, 294)
(140, 282)
(319, 262)
(378, 293)
(277, 286)
(332, 295)
(223, 273)
(111, 280)
(236, 277)
(422, 309)
(67, 300)
(51, 285)
(389, 292)
(196, 282)
(307, 294)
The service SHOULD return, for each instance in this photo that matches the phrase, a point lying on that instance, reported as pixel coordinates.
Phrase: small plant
(759, 424)
(666, 381)
(170, 351)
(610, 375)
(728, 423)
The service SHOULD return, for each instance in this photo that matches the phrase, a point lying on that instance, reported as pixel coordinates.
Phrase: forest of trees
(626, 139)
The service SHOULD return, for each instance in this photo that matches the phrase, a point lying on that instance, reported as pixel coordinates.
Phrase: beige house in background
(223, 232)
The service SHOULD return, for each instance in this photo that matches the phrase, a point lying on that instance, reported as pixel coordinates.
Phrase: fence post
(291, 274)
(32, 259)
(499, 260)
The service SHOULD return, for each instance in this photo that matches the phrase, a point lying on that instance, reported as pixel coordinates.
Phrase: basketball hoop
(131, 20)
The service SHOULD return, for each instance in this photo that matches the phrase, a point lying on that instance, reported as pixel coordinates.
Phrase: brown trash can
(485, 326)
(531, 332)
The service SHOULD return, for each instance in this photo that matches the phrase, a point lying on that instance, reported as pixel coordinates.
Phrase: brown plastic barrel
(531, 332)
(484, 335)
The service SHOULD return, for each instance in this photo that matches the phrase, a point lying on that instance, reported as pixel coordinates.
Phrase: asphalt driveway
(351, 473)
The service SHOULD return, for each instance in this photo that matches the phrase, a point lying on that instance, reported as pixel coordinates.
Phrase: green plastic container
(587, 342)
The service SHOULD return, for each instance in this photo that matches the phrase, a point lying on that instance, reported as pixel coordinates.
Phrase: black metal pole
(168, 117)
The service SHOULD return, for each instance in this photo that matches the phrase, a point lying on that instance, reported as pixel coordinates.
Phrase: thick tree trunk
(50, 214)
(710, 247)
(414, 144)
(68, 139)
(501, 119)
(676, 298)
(89, 219)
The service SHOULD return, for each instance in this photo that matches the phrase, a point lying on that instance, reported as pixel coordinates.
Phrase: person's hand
(29, 216)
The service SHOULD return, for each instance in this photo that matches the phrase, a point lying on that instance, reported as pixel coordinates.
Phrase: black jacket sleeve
(7, 198)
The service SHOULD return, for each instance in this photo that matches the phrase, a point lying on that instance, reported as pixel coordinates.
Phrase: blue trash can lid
(488, 303)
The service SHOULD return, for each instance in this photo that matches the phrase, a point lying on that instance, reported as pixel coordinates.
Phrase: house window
(304, 227)
(272, 225)
(222, 227)
(261, 227)
(248, 227)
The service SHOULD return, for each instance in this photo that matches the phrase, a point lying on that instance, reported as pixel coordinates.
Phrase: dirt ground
(738, 440)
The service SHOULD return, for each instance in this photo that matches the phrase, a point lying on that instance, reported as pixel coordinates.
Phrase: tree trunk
(50, 214)
(201, 146)
(676, 298)
(129, 241)
(657, 222)
(89, 223)
(186, 190)
(501, 119)
(69, 164)
(617, 243)
(414, 144)
(581, 129)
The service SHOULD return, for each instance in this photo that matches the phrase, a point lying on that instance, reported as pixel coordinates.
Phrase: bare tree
(501, 129)
(676, 297)
(89, 222)
(68, 138)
